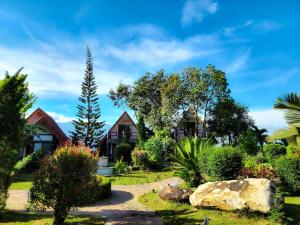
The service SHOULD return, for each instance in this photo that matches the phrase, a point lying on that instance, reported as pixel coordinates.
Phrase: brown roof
(39, 116)
(123, 114)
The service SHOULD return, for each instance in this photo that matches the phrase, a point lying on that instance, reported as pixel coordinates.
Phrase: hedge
(97, 190)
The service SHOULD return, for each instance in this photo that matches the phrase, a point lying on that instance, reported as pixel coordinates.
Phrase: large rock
(252, 193)
(170, 193)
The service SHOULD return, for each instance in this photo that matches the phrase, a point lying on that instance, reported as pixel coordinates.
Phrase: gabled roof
(117, 122)
(41, 117)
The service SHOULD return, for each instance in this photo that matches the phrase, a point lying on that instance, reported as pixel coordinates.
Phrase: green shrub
(224, 163)
(273, 150)
(248, 142)
(253, 161)
(154, 148)
(288, 169)
(139, 158)
(121, 167)
(98, 189)
(123, 151)
(62, 180)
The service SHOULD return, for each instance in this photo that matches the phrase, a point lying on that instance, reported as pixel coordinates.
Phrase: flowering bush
(139, 158)
(62, 180)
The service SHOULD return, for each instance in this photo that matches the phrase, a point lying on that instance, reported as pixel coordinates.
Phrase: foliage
(141, 129)
(162, 98)
(277, 213)
(139, 158)
(228, 119)
(97, 189)
(288, 169)
(30, 162)
(62, 179)
(154, 148)
(187, 159)
(293, 150)
(88, 128)
(15, 100)
(261, 135)
(121, 167)
(273, 150)
(290, 104)
(122, 151)
(224, 163)
(248, 142)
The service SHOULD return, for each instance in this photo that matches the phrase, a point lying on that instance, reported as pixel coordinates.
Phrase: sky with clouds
(255, 42)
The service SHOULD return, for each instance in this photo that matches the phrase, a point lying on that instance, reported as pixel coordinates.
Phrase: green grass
(13, 218)
(22, 182)
(140, 177)
(176, 213)
(292, 207)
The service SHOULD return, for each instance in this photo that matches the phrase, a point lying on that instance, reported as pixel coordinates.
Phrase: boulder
(255, 194)
(170, 193)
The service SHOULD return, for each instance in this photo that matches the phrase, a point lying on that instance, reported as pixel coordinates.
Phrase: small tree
(88, 127)
(141, 129)
(15, 100)
(62, 179)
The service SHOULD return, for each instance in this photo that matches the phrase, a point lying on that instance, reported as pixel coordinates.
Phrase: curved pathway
(121, 208)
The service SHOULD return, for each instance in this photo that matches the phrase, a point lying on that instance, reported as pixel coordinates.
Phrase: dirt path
(121, 208)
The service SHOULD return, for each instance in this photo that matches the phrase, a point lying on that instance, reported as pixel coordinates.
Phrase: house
(48, 136)
(190, 125)
(124, 130)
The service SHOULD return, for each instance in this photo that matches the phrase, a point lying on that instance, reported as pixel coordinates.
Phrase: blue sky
(255, 42)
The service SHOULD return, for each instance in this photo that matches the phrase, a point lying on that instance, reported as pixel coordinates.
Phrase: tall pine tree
(88, 127)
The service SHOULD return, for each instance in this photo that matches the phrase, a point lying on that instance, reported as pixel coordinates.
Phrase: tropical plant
(15, 100)
(121, 167)
(88, 127)
(187, 158)
(62, 180)
(273, 150)
(290, 103)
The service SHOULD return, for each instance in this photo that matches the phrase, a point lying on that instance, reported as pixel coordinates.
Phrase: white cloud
(195, 10)
(230, 31)
(268, 118)
(60, 118)
(52, 73)
(268, 25)
(238, 63)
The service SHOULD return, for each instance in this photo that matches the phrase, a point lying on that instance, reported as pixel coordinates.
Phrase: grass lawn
(140, 177)
(24, 182)
(175, 213)
(13, 218)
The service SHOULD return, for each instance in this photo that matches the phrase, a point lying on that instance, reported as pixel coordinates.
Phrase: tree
(15, 100)
(141, 129)
(228, 120)
(144, 98)
(62, 180)
(290, 103)
(261, 136)
(88, 127)
(248, 142)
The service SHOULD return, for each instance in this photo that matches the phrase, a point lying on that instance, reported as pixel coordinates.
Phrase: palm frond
(290, 101)
(290, 132)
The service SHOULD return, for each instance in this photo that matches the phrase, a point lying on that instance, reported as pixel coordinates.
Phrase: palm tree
(261, 135)
(290, 103)
(188, 158)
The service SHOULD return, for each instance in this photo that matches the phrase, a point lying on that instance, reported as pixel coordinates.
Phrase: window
(43, 137)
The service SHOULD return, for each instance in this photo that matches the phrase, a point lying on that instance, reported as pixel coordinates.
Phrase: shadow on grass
(15, 218)
(293, 211)
(172, 217)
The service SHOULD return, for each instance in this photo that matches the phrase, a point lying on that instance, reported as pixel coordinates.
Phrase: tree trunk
(59, 217)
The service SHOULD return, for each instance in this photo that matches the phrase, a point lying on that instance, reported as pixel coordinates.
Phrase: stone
(170, 193)
(255, 194)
